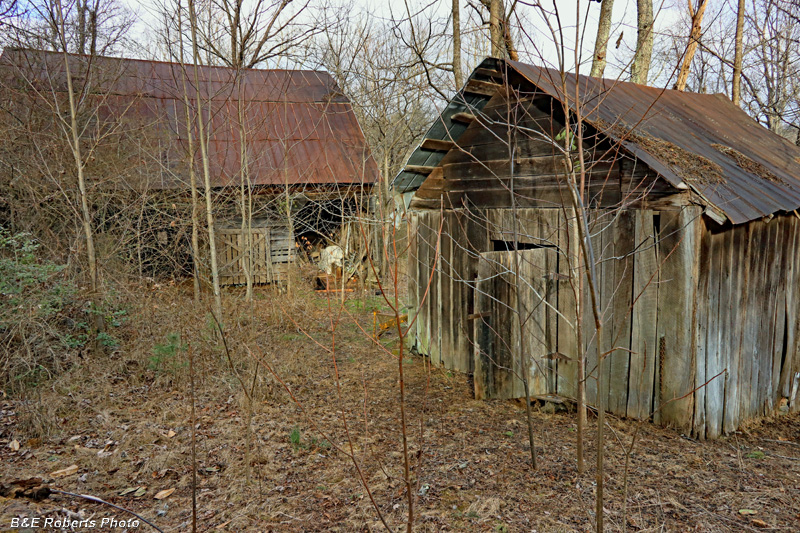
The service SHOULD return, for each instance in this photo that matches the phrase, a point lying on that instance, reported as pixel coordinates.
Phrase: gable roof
(760, 170)
(300, 128)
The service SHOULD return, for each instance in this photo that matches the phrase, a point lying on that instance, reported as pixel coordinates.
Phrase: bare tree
(51, 24)
(600, 58)
(696, 13)
(640, 67)
(736, 91)
(458, 77)
(203, 138)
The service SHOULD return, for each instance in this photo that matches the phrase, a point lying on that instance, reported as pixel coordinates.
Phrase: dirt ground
(273, 461)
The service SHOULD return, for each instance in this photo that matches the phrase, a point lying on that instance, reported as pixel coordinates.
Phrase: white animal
(331, 257)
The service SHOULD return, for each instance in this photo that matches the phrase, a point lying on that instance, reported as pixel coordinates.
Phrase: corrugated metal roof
(444, 128)
(700, 124)
(300, 128)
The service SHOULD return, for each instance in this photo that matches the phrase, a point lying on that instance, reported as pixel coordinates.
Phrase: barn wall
(701, 341)
(748, 323)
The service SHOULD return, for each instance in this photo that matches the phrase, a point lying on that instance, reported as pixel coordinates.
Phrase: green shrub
(37, 304)
(28, 284)
(165, 356)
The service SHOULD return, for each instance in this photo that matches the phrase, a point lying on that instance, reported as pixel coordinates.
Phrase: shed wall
(701, 319)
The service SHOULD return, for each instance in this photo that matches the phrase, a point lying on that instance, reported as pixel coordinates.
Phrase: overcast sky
(537, 39)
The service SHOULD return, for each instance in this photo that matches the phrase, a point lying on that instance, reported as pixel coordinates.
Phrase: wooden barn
(289, 139)
(690, 205)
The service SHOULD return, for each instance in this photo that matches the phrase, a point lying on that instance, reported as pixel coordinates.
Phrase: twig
(783, 456)
(98, 500)
(789, 443)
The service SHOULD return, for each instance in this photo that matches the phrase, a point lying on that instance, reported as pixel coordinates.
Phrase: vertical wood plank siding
(701, 321)
(273, 249)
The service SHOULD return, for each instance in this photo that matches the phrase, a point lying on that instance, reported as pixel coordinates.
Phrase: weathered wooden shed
(691, 209)
(287, 136)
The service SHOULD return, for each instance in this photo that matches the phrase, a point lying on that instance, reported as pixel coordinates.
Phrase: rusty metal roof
(300, 128)
(766, 180)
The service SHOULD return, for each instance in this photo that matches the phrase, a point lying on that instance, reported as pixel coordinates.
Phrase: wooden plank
(482, 87)
(621, 272)
(749, 319)
(589, 336)
(569, 271)
(760, 338)
(717, 333)
(459, 360)
(644, 338)
(569, 278)
(552, 231)
(435, 301)
(676, 314)
(499, 361)
(412, 279)
(490, 149)
(445, 307)
(418, 169)
(533, 291)
(792, 302)
(477, 241)
(783, 326)
(483, 377)
(489, 73)
(705, 286)
(547, 169)
(437, 145)
(525, 197)
(772, 290)
(270, 274)
(423, 322)
(463, 117)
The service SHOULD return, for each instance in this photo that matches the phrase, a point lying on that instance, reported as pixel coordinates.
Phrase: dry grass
(691, 167)
(267, 464)
(747, 164)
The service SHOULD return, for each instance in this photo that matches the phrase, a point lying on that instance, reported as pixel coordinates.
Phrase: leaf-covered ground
(273, 461)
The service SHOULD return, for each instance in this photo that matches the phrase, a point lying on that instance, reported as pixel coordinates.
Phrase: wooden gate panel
(500, 324)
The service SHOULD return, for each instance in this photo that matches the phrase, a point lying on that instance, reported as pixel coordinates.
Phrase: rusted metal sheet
(300, 128)
(757, 172)
(702, 124)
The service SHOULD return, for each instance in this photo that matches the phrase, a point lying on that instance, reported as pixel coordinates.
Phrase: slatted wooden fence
(272, 250)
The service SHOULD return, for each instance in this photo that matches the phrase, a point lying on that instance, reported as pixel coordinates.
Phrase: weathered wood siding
(747, 322)
(272, 250)
(700, 322)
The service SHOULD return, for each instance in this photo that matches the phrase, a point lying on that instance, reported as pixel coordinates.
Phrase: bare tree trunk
(458, 76)
(736, 93)
(691, 47)
(575, 262)
(288, 199)
(644, 42)
(82, 38)
(495, 28)
(601, 42)
(190, 161)
(245, 193)
(602, 396)
(212, 244)
(524, 355)
(75, 148)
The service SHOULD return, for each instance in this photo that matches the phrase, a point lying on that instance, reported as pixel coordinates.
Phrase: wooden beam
(485, 88)
(466, 118)
(489, 73)
(419, 169)
(437, 145)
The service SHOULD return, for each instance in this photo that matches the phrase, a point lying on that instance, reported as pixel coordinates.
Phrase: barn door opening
(516, 335)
